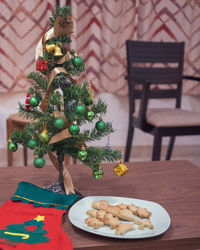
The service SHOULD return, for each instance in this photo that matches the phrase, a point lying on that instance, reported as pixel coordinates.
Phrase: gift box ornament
(120, 169)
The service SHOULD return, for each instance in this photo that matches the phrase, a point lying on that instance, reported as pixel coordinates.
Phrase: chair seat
(166, 117)
(17, 118)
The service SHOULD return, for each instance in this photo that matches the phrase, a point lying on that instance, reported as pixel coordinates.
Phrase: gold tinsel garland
(65, 28)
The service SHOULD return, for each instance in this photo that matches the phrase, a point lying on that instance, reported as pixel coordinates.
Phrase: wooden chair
(144, 60)
(15, 121)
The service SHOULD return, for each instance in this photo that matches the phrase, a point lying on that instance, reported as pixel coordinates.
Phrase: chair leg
(129, 141)
(25, 156)
(157, 147)
(170, 148)
(67, 160)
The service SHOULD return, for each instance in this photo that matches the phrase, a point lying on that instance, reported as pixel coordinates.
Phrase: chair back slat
(155, 94)
(155, 51)
(157, 75)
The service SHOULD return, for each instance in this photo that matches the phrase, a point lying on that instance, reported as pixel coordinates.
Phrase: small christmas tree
(59, 104)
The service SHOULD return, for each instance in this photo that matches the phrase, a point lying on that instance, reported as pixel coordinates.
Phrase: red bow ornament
(42, 65)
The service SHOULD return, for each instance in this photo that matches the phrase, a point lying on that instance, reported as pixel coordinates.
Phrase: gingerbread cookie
(124, 228)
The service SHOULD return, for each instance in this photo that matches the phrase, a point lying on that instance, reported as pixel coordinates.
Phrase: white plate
(159, 218)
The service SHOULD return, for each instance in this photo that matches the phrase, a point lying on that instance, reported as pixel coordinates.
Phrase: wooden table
(173, 184)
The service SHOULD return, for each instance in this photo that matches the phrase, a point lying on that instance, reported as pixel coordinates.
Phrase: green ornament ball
(43, 137)
(100, 125)
(90, 115)
(78, 61)
(82, 155)
(88, 101)
(98, 174)
(32, 144)
(33, 102)
(59, 123)
(74, 129)
(12, 146)
(39, 162)
(80, 109)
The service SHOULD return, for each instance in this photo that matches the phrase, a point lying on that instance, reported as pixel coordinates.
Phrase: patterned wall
(22, 23)
(174, 21)
(102, 27)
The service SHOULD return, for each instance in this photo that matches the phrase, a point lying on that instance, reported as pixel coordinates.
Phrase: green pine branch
(80, 93)
(19, 136)
(32, 113)
(38, 82)
(59, 39)
(96, 156)
(94, 134)
(100, 107)
(31, 131)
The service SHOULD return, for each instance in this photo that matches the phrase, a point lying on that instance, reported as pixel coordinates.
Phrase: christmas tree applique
(30, 232)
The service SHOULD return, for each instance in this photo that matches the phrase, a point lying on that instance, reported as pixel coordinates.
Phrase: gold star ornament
(40, 218)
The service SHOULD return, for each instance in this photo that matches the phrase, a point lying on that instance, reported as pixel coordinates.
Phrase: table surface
(173, 184)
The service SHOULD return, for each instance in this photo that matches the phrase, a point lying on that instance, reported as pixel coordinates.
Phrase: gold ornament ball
(90, 115)
(43, 137)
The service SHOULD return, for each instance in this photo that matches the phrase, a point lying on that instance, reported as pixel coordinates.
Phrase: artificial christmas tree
(59, 105)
